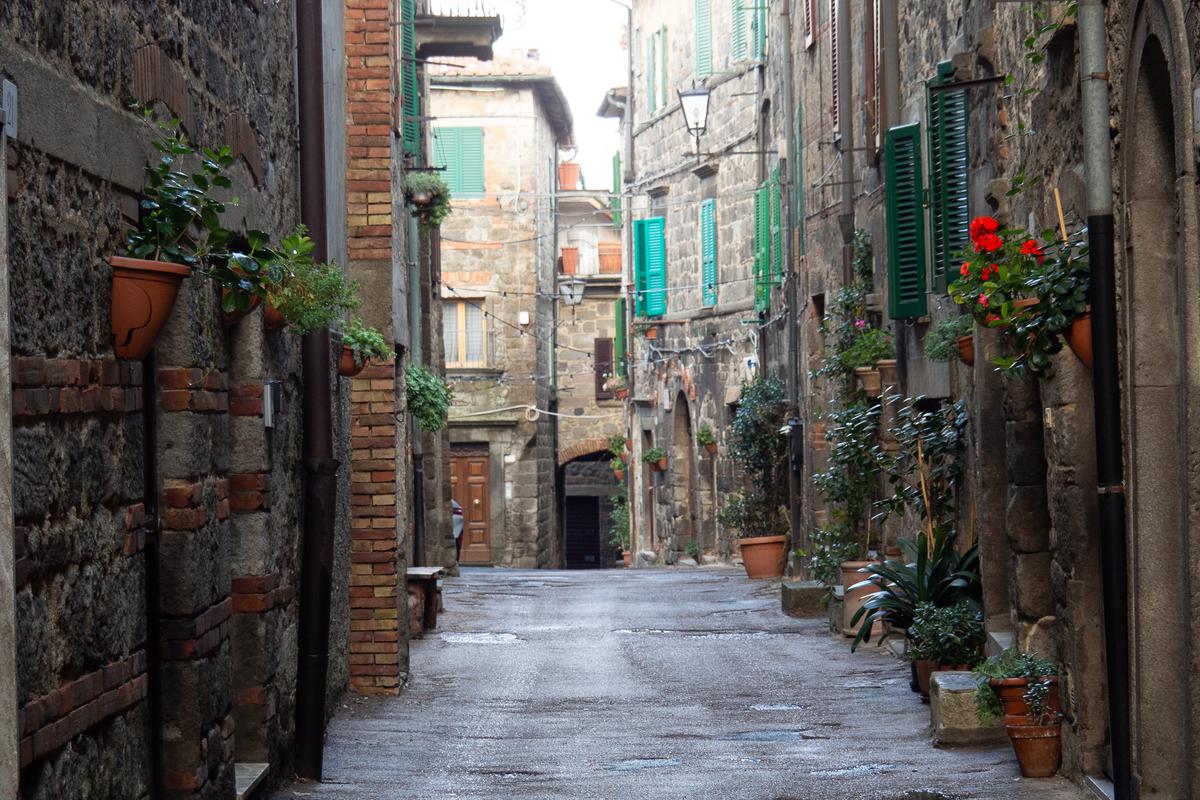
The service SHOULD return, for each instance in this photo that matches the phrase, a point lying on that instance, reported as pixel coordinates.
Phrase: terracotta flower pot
(143, 294)
(1012, 694)
(628, 444)
(711, 447)
(619, 474)
(853, 600)
(662, 464)
(570, 260)
(1079, 337)
(272, 319)
(763, 556)
(1025, 302)
(620, 394)
(887, 375)
(347, 366)
(624, 458)
(234, 317)
(652, 332)
(925, 667)
(966, 349)
(610, 258)
(1038, 748)
(627, 557)
(870, 380)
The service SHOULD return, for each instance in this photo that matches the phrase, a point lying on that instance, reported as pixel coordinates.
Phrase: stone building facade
(498, 128)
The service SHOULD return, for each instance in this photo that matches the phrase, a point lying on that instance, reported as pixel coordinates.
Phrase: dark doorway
(584, 547)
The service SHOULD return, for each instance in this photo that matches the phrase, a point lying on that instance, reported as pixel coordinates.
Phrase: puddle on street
(695, 634)
(634, 764)
(925, 794)
(479, 638)
(771, 736)
(775, 707)
(861, 769)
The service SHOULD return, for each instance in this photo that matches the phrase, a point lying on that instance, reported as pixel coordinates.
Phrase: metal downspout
(416, 356)
(320, 468)
(846, 132)
(1093, 56)
(790, 272)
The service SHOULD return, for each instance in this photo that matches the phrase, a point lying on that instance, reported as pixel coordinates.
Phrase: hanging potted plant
(616, 448)
(656, 457)
(951, 338)
(429, 196)
(429, 397)
(872, 353)
(616, 385)
(706, 438)
(646, 329)
(360, 344)
(618, 468)
(944, 638)
(309, 296)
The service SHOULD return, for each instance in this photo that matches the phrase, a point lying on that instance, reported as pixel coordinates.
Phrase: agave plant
(938, 575)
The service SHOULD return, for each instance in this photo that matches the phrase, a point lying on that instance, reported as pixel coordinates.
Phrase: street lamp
(694, 103)
(572, 290)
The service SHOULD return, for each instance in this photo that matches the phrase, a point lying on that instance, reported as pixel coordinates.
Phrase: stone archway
(584, 447)
(1159, 326)
(683, 479)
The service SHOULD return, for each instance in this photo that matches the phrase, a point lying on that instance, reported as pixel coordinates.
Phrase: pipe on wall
(1093, 56)
(152, 595)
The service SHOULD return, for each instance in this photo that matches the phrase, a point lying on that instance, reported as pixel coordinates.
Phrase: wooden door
(469, 485)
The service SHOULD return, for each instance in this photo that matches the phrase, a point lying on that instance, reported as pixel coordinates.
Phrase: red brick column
(374, 583)
(370, 117)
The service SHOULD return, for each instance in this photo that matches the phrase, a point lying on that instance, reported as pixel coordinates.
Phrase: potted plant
(952, 337)
(570, 260)
(309, 296)
(763, 549)
(1037, 739)
(429, 196)
(656, 457)
(650, 331)
(706, 438)
(360, 344)
(429, 397)
(618, 467)
(616, 448)
(944, 638)
(872, 353)
(616, 385)
(1025, 689)
(621, 532)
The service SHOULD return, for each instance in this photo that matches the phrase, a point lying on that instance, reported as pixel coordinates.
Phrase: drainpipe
(415, 356)
(793, 289)
(152, 564)
(320, 468)
(1093, 56)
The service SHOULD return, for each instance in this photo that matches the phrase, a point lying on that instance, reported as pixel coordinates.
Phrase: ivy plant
(433, 193)
(429, 397)
(941, 341)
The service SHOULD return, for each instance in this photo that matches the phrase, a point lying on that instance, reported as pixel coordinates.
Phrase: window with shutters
(709, 277)
(949, 161)
(762, 248)
(704, 60)
(737, 25)
(758, 28)
(903, 199)
(650, 266)
(604, 365)
(651, 74)
(619, 344)
(459, 152)
(871, 90)
(663, 63)
(835, 68)
(797, 166)
(464, 333)
(617, 188)
(410, 89)
(776, 228)
(810, 22)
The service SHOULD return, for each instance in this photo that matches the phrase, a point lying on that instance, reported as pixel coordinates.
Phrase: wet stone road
(647, 685)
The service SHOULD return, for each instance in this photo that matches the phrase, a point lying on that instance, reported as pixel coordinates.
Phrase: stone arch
(1159, 283)
(585, 447)
(683, 475)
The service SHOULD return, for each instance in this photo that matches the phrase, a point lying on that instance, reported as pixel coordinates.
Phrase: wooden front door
(469, 485)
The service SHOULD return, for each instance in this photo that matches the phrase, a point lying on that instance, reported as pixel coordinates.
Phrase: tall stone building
(498, 128)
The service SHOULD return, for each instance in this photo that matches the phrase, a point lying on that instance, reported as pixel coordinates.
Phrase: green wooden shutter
(460, 152)
(617, 188)
(620, 356)
(762, 248)
(703, 38)
(798, 177)
(905, 222)
(758, 28)
(949, 160)
(639, 267)
(651, 72)
(656, 266)
(737, 42)
(776, 229)
(708, 251)
(663, 57)
(410, 90)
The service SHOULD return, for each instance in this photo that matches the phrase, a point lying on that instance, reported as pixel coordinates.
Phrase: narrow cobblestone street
(649, 684)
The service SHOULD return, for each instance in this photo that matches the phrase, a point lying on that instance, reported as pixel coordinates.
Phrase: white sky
(582, 41)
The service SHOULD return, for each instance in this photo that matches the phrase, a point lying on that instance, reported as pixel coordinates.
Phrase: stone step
(952, 709)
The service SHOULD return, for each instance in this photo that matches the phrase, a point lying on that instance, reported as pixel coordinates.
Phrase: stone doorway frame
(9, 743)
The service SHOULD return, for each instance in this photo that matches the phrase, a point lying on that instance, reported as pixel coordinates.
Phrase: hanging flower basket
(143, 294)
(348, 367)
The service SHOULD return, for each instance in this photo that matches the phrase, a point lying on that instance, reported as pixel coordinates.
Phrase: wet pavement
(663, 684)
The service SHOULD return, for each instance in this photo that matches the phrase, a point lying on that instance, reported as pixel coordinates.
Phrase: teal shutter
(708, 251)
(758, 28)
(776, 229)
(703, 38)
(620, 356)
(656, 266)
(798, 177)
(639, 267)
(762, 248)
(737, 42)
(905, 222)
(459, 151)
(410, 89)
(663, 57)
(651, 72)
(617, 188)
(949, 160)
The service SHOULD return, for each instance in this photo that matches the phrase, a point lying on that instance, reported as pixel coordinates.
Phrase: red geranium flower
(1031, 248)
(983, 300)
(966, 269)
(988, 243)
(983, 225)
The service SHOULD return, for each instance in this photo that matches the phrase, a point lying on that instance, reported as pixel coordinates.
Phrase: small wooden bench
(424, 583)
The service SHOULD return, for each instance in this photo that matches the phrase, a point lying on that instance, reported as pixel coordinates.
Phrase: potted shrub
(618, 468)
(656, 457)
(360, 344)
(646, 329)
(309, 296)
(429, 397)
(950, 338)
(620, 528)
(616, 385)
(763, 549)
(871, 354)
(1025, 689)
(429, 196)
(706, 438)
(1037, 740)
(944, 638)
(616, 448)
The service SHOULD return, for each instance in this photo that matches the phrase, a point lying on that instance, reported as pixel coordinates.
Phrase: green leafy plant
(1011, 663)
(949, 635)
(654, 455)
(844, 322)
(872, 346)
(616, 464)
(365, 342)
(933, 571)
(1037, 702)
(693, 550)
(941, 341)
(705, 435)
(429, 397)
(759, 451)
(864, 259)
(430, 194)
(831, 545)
(309, 296)
(616, 444)
(618, 518)
(925, 472)
(747, 513)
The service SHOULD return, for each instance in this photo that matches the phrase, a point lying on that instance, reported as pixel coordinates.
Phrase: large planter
(1012, 694)
(347, 366)
(272, 319)
(1079, 338)
(887, 375)
(763, 556)
(570, 260)
(869, 380)
(853, 599)
(1038, 748)
(966, 349)
(610, 258)
(143, 294)
(925, 668)
(627, 557)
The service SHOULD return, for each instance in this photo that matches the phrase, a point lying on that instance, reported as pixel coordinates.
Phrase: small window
(464, 331)
(835, 68)
(604, 366)
(459, 152)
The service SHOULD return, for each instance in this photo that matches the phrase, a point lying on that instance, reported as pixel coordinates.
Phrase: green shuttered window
(758, 28)
(650, 253)
(737, 39)
(460, 152)
(615, 202)
(905, 222)
(762, 248)
(651, 74)
(663, 58)
(619, 336)
(410, 89)
(776, 228)
(949, 161)
(708, 251)
(703, 38)
(797, 165)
